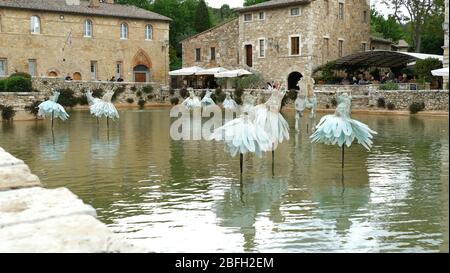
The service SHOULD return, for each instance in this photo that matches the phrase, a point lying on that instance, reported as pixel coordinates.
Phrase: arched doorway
(52, 74)
(141, 67)
(77, 76)
(141, 73)
(293, 80)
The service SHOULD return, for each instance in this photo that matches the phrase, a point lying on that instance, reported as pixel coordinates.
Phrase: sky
(239, 3)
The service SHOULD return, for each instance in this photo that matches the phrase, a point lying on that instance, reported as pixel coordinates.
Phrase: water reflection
(246, 203)
(187, 196)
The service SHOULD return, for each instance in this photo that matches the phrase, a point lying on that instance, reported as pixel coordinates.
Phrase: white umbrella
(188, 71)
(443, 72)
(233, 73)
(211, 71)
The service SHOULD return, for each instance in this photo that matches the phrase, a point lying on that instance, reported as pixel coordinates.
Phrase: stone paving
(34, 219)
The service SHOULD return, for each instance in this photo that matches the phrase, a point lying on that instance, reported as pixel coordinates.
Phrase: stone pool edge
(36, 220)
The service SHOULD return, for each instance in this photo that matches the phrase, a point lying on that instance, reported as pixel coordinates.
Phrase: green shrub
(130, 100)
(119, 91)
(2, 85)
(33, 108)
(334, 102)
(328, 71)
(21, 74)
(238, 93)
(139, 94)
(82, 100)
(8, 112)
(174, 100)
(141, 103)
(67, 98)
(148, 89)
(381, 103)
(423, 68)
(133, 88)
(219, 96)
(416, 107)
(389, 86)
(171, 92)
(251, 81)
(18, 84)
(98, 93)
(150, 97)
(390, 106)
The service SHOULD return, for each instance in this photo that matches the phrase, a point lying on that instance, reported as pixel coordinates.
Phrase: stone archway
(141, 73)
(293, 80)
(77, 76)
(142, 66)
(53, 74)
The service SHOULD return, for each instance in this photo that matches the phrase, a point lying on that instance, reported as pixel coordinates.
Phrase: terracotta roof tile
(110, 10)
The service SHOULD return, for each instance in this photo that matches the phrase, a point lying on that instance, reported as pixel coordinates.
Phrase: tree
(417, 14)
(202, 20)
(386, 28)
(253, 2)
(423, 69)
(226, 12)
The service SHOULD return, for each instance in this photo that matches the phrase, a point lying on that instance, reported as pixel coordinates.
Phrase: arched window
(88, 28)
(149, 32)
(123, 31)
(35, 24)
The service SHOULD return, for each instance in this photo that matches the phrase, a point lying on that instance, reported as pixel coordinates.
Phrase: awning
(188, 71)
(383, 58)
(443, 72)
(211, 71)
(233, 73)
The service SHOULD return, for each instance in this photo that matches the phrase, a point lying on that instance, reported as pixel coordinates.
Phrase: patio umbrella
(188, 71)
(443, 72)
(211, 71)
(233, 73)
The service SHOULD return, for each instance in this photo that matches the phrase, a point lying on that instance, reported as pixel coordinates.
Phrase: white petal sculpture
(52, 109)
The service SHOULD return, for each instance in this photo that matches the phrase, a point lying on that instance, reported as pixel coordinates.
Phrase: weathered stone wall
(223, 38)
(365, 97)
(45, 86)
(52, 52)
(36, 220)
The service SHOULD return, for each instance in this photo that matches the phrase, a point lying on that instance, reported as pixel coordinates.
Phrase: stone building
(377, 43)
(86, 40)
(283, 39)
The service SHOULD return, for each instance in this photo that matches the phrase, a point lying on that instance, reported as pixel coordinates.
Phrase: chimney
(73, 2)
(94, 3)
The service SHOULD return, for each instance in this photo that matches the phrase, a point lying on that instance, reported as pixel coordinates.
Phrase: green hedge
(18, 84)
(389, 86)
(2, 85)
(21, 74)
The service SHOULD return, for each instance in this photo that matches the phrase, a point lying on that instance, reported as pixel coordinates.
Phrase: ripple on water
(187, 196)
